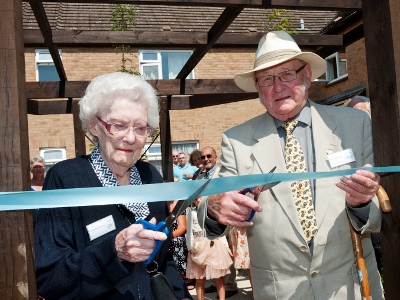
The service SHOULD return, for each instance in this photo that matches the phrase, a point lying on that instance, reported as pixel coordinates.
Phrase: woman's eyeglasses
(121, 129)
(208, 156)
(38, 167)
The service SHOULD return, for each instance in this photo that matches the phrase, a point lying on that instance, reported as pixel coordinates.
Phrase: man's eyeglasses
(121, 129)
(208, 156)
(174, 155)
(285, 76)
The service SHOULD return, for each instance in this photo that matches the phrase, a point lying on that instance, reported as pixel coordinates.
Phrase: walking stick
(386, 207)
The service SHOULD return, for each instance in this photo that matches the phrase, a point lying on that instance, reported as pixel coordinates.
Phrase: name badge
(341, 158)
(100, 227)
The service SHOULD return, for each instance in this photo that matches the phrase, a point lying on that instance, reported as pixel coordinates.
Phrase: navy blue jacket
(70, 266)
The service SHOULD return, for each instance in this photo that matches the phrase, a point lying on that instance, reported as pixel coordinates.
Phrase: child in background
(207, 259)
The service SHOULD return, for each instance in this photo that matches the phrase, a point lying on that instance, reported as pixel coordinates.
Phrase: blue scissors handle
(245, 191)
(162, 226)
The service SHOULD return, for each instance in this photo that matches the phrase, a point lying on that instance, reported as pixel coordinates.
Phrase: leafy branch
(278, 19)
(123, 18)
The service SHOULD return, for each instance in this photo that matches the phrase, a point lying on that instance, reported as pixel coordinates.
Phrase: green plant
(123, 19)
(278, 19)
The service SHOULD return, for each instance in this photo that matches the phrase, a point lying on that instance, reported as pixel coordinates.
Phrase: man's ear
(308, 74)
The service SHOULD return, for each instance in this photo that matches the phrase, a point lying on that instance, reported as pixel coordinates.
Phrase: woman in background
(38, 168)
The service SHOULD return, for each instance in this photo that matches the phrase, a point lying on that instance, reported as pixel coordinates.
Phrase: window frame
(333, 61)
(51, 162)
(44, 62)
(158, 61)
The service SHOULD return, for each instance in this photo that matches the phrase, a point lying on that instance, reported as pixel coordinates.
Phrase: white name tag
(341, 158)
(100, 227)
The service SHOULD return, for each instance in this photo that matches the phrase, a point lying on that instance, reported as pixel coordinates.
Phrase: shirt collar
(303, 116)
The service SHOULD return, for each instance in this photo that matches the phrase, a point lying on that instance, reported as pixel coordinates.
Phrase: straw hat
(274, 48)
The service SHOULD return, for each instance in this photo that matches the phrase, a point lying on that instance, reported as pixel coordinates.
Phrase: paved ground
(245, 292)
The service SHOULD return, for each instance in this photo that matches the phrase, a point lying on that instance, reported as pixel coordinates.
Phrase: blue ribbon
(157, 192)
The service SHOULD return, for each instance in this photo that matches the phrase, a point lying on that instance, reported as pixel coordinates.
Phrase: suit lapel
(268, 153)
(325, 142)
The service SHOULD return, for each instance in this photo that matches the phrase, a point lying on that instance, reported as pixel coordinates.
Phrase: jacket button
(303, 248)
(313, 274)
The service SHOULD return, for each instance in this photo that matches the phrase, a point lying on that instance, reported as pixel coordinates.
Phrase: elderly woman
(73, 262)
(37, 170)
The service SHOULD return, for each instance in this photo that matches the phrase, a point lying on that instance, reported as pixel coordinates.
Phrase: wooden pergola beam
(222, 23)
(84, 38)
(76, 89)
(44, 25)
(288, 4)
(40, 107)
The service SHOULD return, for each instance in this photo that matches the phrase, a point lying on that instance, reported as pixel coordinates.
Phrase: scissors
(265, 187)
(164, 226)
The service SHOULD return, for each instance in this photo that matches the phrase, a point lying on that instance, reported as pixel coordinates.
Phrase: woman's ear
(93, 129)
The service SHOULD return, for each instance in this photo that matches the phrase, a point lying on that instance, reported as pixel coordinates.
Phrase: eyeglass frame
(279, 76)
(37, 167)
(107, 126)
(203, 157)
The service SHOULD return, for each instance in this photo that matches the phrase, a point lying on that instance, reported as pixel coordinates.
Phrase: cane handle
(384, 201)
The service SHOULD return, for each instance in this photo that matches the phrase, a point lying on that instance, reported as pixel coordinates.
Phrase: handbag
(159, 284)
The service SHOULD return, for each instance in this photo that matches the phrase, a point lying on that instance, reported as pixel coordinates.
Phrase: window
(154, 152)
(52, 156)
(163, 64)
(45, 69)
(336, 67)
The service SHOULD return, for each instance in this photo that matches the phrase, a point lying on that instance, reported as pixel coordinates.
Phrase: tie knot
(289, 126)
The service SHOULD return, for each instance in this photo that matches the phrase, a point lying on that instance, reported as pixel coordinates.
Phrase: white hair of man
(360, 102)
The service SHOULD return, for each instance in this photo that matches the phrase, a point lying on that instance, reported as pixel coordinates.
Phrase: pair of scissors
(265, 187)
(164, 226)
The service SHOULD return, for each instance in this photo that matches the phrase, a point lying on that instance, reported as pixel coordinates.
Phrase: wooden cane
(386, 207)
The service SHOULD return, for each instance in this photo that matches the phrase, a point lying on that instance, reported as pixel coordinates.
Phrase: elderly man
(360, 102)
(175, 155)
(299, 240)
(183, 170)
(209, 159)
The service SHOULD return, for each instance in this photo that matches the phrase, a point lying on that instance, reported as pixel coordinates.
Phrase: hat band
(274, 56)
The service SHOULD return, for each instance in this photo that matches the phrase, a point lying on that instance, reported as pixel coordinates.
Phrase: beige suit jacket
(281, 264)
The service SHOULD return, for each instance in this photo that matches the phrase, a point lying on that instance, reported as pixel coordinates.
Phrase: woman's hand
(135, 244)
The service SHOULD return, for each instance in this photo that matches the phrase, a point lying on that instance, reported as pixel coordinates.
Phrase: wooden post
(80, 146)
(165, 136)
(382, 40)
(17, 276)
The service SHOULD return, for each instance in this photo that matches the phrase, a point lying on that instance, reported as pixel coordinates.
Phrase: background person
(363, 103)
(178, 243)
(299, 240)
(360, 102)
(184, 171)
(38, 169)
(195, 160)
(175, 155)
(73, 260)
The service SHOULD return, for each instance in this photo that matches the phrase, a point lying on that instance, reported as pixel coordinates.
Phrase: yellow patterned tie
(295, 163)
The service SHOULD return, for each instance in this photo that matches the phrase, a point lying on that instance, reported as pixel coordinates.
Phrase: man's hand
(360, 187)
(232, 208)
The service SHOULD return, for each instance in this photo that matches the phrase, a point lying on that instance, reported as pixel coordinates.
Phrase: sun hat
(274, 48)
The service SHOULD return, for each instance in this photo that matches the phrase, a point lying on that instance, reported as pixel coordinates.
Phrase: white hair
(37, 158)
(360, 99)
(102, 91)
